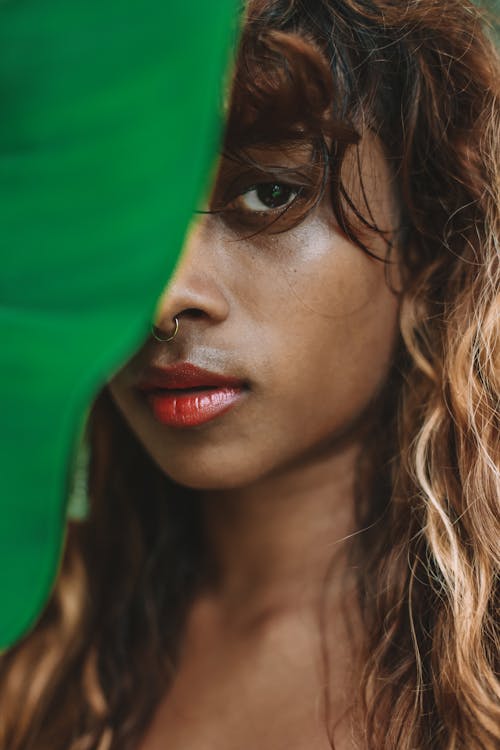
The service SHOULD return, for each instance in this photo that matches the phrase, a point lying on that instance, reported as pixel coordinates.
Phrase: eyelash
(278, 219)
(263, 200)
(292, 192)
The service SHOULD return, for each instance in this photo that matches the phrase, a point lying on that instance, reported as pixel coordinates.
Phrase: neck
(274, 541)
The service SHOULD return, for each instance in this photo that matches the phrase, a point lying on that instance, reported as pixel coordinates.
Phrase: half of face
(285, 337)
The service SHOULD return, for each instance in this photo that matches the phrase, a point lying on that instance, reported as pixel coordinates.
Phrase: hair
(423, 76)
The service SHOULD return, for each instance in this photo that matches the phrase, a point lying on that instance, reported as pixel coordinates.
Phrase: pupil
(274, 194)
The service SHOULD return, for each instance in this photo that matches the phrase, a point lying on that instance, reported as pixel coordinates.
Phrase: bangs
(283, 90)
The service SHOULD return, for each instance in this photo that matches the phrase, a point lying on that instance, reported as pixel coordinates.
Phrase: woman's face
(304, 320)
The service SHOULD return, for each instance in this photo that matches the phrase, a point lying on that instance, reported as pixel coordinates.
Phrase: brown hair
(424, 78)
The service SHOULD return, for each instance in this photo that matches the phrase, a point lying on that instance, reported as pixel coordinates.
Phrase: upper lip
(184, 375)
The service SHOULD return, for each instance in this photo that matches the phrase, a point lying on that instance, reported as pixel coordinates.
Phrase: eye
(267, 196)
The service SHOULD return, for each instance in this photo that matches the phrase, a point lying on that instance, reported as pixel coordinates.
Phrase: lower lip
(178, 409)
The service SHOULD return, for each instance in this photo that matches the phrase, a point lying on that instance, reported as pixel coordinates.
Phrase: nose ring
(156, 331)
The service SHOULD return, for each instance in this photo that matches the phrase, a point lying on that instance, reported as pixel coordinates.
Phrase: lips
(184, 395)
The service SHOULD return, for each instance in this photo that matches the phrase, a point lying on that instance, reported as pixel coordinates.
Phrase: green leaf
(109, 127)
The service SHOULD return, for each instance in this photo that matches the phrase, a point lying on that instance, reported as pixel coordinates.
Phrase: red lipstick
(184, 395)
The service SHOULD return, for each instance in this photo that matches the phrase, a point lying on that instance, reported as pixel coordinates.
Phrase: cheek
(332, 277)
(339, 321)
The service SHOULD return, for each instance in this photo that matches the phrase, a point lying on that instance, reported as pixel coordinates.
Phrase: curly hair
(424, 77)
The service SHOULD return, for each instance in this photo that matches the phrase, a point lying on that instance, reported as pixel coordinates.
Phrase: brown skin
(309, 322)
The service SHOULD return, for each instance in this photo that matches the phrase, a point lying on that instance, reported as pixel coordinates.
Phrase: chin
(198, 474)
(205, 481)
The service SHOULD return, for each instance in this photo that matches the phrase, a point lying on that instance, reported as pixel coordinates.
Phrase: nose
(195, 290)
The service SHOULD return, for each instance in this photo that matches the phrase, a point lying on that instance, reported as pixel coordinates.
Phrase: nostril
(193, 312)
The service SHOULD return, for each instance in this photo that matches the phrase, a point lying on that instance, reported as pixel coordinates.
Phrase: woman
(293, 534)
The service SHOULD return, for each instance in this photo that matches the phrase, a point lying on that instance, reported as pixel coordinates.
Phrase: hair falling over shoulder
(424, 77)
